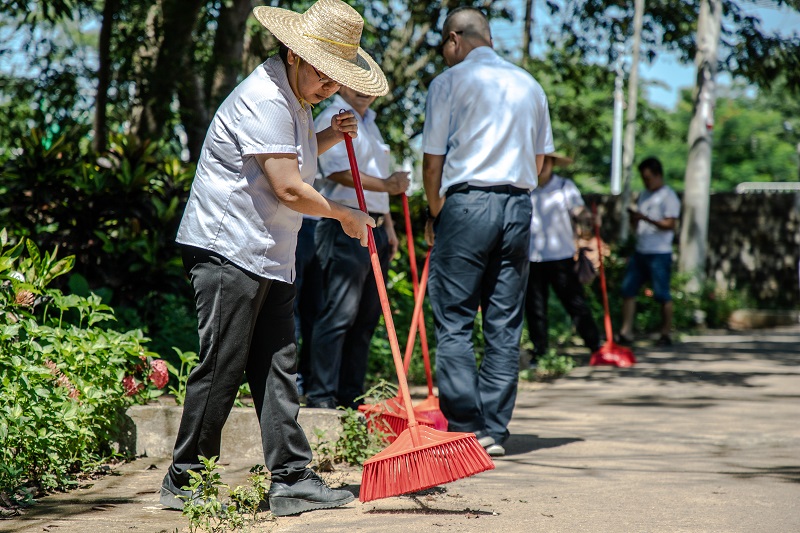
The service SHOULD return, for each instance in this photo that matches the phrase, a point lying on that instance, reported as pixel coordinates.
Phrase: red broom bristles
(404, 467)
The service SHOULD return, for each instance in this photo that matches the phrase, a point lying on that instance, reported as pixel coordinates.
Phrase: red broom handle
(416, 321)
(607, 318)
(387, 311)
(423, 336)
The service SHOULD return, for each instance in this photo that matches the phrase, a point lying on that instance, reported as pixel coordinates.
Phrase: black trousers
(480, 258)
(562, 277)
(308, 301)
(246, 326)
(351, 310)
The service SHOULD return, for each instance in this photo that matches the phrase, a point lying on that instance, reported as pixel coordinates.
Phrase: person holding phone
(654, 219)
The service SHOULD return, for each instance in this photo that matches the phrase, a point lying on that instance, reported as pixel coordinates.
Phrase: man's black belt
(379, 218)
(466, 187)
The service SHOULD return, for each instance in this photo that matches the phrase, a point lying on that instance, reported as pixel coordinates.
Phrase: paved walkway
(704, 437)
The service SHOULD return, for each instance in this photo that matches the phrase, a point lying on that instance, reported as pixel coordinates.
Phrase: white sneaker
(495, 450)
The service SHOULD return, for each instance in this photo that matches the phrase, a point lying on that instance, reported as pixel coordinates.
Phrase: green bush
(65, 379)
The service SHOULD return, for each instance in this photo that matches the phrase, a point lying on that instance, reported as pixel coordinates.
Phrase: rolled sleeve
(266, 127)
(435, 132)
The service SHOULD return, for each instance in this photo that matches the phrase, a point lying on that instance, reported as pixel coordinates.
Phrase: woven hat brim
(363, 76)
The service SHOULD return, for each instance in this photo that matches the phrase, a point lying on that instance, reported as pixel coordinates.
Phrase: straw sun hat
(327, 36)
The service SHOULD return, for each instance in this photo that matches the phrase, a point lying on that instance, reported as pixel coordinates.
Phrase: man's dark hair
(653, 165)
(476, 27)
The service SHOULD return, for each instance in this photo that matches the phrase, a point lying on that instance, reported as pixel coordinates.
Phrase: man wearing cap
(238, 237)
(487, 128)
(351, 309)
(557, 206)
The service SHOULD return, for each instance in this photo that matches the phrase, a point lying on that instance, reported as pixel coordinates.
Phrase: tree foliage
(593, 28)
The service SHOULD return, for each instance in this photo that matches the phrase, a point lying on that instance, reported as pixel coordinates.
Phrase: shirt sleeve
(436, 131)
(544, 130)
(672, 205)
(573, 196)
(335, 158)
(267, 127)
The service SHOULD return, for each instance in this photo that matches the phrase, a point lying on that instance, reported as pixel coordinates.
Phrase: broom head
(429, 408)
(439, 457)
(613, 354)
(390, 417)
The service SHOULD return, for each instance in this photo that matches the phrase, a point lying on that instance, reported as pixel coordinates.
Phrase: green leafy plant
(188, 361)
(205, 509)
(64, 381)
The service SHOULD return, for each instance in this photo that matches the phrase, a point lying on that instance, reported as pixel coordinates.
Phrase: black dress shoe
(664, 340)
(322, 404)
(306, 494)
(170, 495)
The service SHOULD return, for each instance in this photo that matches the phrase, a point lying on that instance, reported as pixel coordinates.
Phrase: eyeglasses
(323, 81)
(441, 46)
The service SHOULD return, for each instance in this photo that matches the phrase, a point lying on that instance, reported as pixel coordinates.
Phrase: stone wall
(753, 243)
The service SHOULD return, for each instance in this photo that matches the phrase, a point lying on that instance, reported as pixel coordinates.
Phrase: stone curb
(151, 431)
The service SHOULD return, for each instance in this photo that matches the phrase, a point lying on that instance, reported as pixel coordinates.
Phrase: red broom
(429, 407)
(421, 457)
(610, 353)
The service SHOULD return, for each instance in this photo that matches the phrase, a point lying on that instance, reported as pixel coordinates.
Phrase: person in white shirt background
(350, 310)
(238, 236)
(654, 218)
(557, 204)
(487, 128)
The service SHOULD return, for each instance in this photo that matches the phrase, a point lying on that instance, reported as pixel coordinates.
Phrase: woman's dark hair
(653, 165)
(283, 51)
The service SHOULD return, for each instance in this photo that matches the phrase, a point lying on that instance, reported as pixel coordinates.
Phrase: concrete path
(703, 437)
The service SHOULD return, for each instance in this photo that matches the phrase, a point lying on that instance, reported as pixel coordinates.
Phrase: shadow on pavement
(789, 474)
(518, 444)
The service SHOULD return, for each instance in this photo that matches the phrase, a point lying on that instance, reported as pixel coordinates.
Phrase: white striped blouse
(232, 209)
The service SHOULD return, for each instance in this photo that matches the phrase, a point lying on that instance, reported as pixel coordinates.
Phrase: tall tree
(628, 148)
(694, 224)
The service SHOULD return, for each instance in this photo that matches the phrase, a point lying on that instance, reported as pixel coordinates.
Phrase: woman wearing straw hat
(238, 238)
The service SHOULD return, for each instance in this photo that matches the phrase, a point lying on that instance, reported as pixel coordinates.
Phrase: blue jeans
(657, 268)
(480, 258)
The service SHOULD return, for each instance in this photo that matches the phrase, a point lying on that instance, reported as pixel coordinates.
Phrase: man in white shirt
(556, 202)
(655, 217)
(351, 307)
(487, 128)
(238, 237)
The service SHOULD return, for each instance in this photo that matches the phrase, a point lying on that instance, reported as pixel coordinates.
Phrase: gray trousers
(480, 258)
(246, 326)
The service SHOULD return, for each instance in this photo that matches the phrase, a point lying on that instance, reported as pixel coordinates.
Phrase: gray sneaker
(495, 450)
(306, 494)
(486, 441)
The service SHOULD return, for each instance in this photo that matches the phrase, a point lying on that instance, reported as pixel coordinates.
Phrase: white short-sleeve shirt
(372, 155)
(657, 205)
(552, 236)
(491, 119)
(232, 209)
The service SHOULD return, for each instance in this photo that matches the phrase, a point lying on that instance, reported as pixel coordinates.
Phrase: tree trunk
(527, 37)
(630, 121)
(179, 18)
(227, 59)
(103, 76)
(694, 224)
